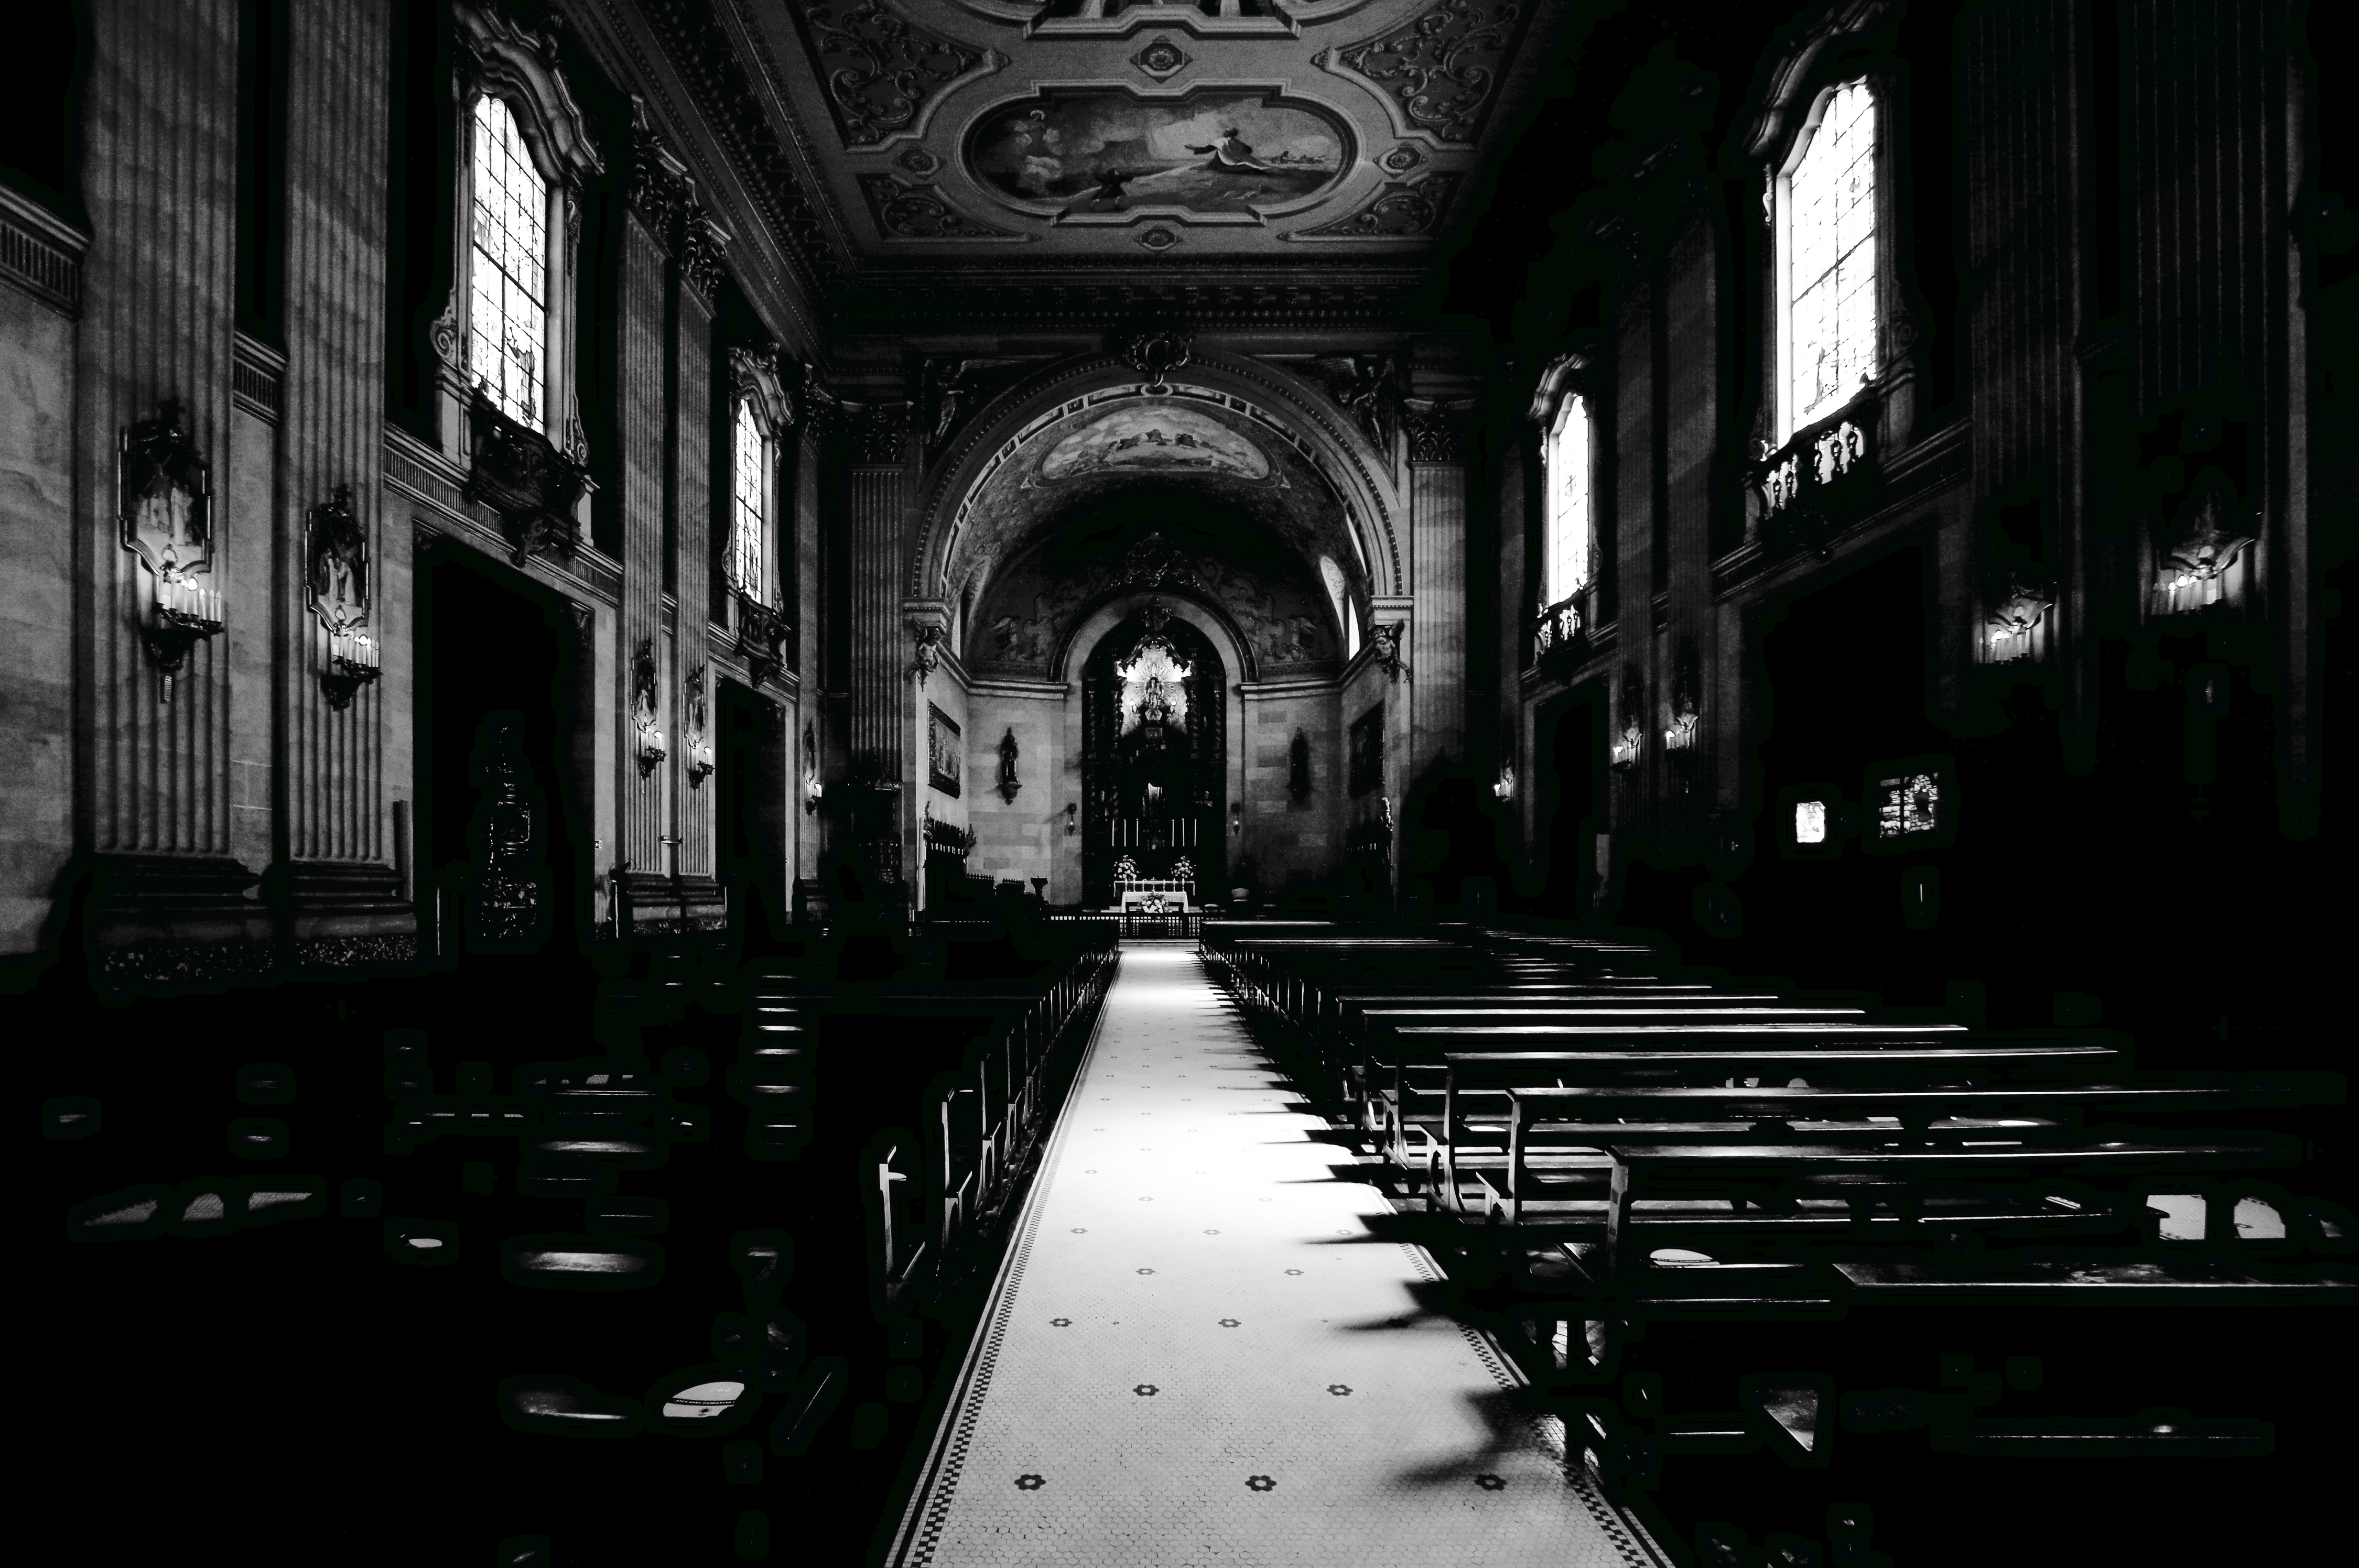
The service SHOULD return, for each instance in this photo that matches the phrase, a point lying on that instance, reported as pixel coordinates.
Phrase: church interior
(1684, 659)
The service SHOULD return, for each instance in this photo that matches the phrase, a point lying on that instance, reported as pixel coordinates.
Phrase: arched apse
(1151, 536)
(1256, 441)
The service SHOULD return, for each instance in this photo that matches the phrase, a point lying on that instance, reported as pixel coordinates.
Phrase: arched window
(1828, 303)
(749, 511)
(507, 273)
(1565, 457)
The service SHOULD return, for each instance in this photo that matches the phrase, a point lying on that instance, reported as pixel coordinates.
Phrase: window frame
(747, 414)
(519, 65)
(1786, 417)
(1553, 444)
(478, 254)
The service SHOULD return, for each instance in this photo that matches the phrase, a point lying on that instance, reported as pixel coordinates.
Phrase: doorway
(752, 808)
(1571, 804)
(500, 827)
(1154, 756)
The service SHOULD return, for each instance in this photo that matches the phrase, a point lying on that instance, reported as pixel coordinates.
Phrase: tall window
(748, 516)
(1566, 459)
(1827, 258)
(507, 316)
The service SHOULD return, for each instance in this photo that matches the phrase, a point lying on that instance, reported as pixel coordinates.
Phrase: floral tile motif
(1261, 1483)
(1491, 1483)
(1339, 1389)
(1228, 1323)
(1029, 1483)
(1147, 1390)
(1061, 1322)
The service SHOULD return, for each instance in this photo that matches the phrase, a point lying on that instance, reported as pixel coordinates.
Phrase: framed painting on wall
(942, 751)
(1367, 761)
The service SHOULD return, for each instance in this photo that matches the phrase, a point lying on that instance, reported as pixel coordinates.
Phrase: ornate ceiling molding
(907, 209)
(1367, 502)
(1439, 74)
(702, 52)
(1402, 210)
(884, 75)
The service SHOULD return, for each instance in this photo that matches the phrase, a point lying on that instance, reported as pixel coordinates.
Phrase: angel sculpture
(1363, 386)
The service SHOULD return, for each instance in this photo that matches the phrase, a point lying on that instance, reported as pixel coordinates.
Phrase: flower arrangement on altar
(1185, 871)
(1126, 869)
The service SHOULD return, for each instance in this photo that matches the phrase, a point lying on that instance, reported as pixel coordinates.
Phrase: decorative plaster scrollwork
(1156, 355)
(701, 243)
(929, 640)
(1403, 210)
(907, 211)
(1443, 67)
(879, 68)
(1437, 432)
(877, 432)
(1365, 386)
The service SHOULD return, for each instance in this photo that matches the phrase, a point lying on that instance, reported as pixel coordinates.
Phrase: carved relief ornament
(1440, 72)
(882, 74)
(519, 64)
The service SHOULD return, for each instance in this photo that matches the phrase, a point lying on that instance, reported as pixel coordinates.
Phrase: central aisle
(1197, 1354)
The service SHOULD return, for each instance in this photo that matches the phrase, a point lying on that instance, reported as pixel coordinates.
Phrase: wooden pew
(1583, 1118)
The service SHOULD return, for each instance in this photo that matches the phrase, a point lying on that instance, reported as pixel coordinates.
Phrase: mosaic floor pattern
(1196, 1353)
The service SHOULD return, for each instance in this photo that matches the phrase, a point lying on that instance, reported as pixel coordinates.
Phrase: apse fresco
(1155, 438)
(1107, 150)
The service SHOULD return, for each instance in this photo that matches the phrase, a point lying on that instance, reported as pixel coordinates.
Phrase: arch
(1091, 627)
(1273, 405)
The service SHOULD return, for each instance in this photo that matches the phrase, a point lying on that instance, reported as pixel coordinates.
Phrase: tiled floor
(1198, 1355)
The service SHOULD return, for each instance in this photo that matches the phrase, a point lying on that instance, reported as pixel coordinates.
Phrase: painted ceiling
(1005, 141)
(1184, 441)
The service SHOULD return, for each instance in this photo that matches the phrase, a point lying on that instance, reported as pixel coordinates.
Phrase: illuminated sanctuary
(1660, 690)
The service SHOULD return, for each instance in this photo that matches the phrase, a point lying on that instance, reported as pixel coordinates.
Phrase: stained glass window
(1565, 458)
(507, 316)
(1830, 263)
(748, 531)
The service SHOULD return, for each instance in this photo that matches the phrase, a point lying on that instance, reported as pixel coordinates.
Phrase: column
(692, 528)
(657, 191)
(160, 166)
(1438, 476)
(332, 758)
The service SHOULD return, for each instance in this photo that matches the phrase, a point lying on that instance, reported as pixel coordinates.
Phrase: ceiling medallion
(1162, 60)
(919, 162)
(1400, 160)
(1158, 239)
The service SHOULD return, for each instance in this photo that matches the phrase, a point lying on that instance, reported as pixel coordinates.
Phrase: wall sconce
(1008, 784)
(1073, 818)
(2007, 633)
(699, 761)
(1680, 736)
(1504, 790)
(652, 750)
(1625, 746)
(812, 788)
(351, 664)
(185, 616)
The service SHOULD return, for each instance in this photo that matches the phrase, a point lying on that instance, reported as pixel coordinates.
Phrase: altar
(1154, 896)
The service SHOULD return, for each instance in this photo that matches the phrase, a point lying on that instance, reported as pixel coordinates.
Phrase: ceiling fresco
(1198, 442)
(1268, 140)
(1025, 620)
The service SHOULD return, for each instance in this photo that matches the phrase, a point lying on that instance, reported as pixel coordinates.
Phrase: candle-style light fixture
(336, 583)
(352, 663)
(1505, 789)
(165, 500)
(1073, 818)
